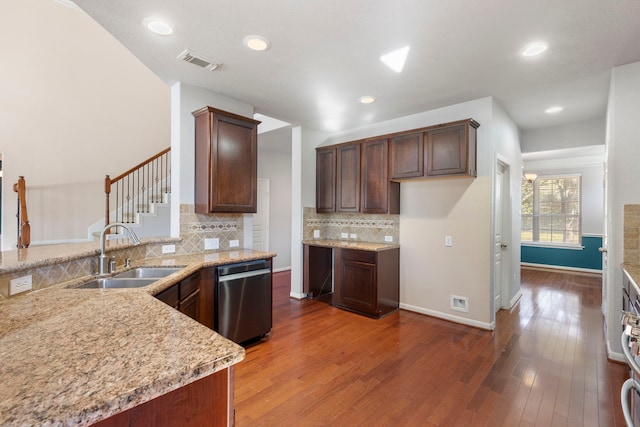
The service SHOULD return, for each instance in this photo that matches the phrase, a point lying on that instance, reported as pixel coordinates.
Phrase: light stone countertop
(364, 246)
(38, 256)
(77, 356)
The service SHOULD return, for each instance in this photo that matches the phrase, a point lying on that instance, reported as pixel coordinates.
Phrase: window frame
(534, 215)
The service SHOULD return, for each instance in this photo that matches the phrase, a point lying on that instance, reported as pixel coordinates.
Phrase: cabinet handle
(602, 250)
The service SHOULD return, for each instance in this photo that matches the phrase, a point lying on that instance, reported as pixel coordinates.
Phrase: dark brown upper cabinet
(348, 178)
(226, 162)
(407, 158)
(325, 180)
(450, 149)
(378, 194)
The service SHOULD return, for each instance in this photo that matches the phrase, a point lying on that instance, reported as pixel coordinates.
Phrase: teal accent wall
(589, 258)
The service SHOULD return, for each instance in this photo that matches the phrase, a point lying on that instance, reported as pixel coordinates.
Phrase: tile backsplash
(366, 227)
(631, 234)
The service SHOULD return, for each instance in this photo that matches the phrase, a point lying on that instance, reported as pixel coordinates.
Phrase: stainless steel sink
(112, 282)
(148, 272)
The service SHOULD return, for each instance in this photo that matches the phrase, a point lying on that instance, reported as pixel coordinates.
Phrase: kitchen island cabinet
(366, 276)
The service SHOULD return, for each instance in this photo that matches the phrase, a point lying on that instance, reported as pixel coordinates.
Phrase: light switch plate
(353, 236)
(316, 234)
(213, 243)
(20, 284)
(388, 239)
(234, 243)
(168, 249)
(344, 235)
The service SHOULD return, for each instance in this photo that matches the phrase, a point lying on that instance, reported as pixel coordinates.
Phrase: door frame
(507, 235)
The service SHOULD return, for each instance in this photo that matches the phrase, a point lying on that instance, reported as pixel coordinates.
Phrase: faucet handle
(127, 262)
(112, 264)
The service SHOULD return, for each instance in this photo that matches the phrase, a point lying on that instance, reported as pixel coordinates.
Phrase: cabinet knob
(602, 250)
(503, 245)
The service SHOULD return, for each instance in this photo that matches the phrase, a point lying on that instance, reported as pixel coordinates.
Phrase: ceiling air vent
(199, 60)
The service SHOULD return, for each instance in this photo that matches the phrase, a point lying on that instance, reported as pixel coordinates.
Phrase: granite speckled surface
(76, 356)
(364, 246)
(38, 256)
(73, 358)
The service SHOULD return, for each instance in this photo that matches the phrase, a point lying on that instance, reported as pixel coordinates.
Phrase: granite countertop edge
(64, 310)
(365, 246)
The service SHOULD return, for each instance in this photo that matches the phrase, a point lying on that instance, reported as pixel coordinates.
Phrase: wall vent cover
(199, 60)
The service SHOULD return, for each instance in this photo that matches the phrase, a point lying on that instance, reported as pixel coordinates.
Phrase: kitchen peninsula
(106, 356)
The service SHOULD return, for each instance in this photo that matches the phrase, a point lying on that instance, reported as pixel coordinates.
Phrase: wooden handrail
(140, 165)
(137, 185)
(24, 229)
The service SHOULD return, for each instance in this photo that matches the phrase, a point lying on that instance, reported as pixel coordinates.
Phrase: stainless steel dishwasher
(243, 307)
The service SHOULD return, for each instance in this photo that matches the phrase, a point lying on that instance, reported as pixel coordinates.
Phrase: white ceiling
(325, 54)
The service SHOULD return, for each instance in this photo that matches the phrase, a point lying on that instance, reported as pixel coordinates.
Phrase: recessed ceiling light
(367, 99)
(158, 26)
(534, 49)
(258, 43)
(553, 110)
(396, 59)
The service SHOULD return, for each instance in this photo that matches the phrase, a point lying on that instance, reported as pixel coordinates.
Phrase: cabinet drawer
(359, 255)
(170, 296)
(189, 285)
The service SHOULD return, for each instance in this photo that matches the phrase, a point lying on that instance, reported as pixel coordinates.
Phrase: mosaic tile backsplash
(367, 228)
(631, 233)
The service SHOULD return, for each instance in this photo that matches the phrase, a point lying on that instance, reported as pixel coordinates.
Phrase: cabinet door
(325, 180)
(348, 178)
(170, 296)
(377, 195)
(407, 156)
(356, 287)
(226, 177)
(189, 305)
(451, 149)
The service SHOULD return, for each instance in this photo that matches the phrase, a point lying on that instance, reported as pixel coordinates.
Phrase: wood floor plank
(544, 364)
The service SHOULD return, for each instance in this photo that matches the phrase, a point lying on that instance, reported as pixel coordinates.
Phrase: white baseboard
(281, 269)
(297, 295)
(560, 267)
(515, 299)
(451, 317)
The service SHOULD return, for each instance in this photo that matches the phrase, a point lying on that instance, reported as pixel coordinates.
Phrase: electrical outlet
(212, 243)
(388, 239)
(344, 235)
(448, 241)
(459, 303)
(234, 243)
(20, 284)
(316, 234)
(168, 249)
(353, 236)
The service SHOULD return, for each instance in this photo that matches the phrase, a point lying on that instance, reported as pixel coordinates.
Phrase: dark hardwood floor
(544, 365)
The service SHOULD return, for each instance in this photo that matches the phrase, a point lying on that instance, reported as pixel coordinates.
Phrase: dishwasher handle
(627, 354)
(244, 275)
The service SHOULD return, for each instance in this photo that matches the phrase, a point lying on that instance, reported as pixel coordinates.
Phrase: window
(551, 210)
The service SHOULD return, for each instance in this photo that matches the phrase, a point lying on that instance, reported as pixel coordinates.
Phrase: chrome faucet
(103, 261)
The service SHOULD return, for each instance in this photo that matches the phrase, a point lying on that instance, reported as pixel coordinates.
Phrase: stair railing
(24, 229)
(135, 189)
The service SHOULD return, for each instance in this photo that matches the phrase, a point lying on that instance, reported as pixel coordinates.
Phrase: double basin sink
(135, 278)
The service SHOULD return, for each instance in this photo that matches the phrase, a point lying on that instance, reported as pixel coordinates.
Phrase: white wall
(185, 99)
(506, 138)
(623, 175)
(588, 132)
(75, 106)
(276, 167)
(430, 209)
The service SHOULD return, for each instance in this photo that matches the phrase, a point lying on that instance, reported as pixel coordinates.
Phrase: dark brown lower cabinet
(185, 297)
(367, 282)
(205, 402)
